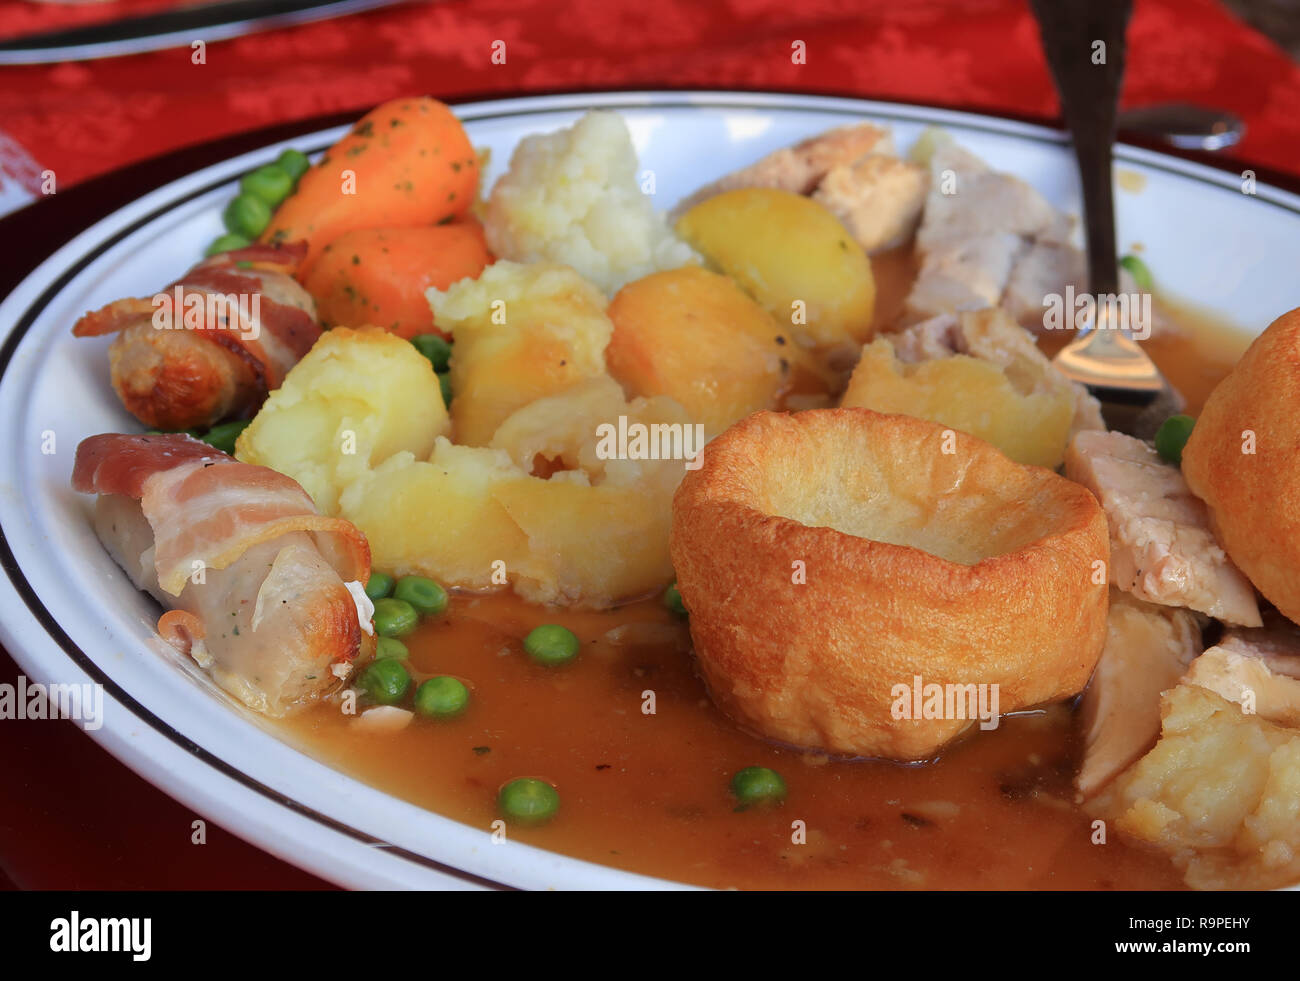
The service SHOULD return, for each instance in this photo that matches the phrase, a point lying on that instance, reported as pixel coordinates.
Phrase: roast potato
(589, 546)
(438, 517)
(969, 394)
(522, 332)
(695, 336)
(587, 531)
(358, 397)
(793, 256)
(562, 432)
(980, 372)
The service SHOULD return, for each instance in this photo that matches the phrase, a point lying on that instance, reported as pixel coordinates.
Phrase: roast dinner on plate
(753, 542)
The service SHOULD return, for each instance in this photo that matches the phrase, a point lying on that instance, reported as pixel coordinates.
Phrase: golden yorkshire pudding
(838, 564)
(1243, 461)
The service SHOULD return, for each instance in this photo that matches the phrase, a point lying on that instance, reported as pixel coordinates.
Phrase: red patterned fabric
(18, 20)
(87, 118)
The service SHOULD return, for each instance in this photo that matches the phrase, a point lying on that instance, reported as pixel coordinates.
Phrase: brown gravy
(649, 792)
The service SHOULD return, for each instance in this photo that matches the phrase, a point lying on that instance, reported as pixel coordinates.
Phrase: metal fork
(1134, 396)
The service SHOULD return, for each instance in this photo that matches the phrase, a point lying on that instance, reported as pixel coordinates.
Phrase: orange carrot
(406, 163)
(379, 275)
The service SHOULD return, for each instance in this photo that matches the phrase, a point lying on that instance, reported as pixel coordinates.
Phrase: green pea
(551, 644)
(293, 162)
(379, 585)
(434, 347)
(441, 698)
(423, 594)
(394, 617)
(757, 785)
(227, 243)
(247, 215)
(1139, 271)
(1172, 437)
(224, 435)
(444, 383)
(385, 680)
(391, 647)
(529, 800)
(271, 183)
(673, 600)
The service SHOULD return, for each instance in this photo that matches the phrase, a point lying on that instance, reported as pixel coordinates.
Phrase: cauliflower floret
(572, 196)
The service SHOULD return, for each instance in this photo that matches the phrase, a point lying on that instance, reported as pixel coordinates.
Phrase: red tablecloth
(84, 119)
(69, 815)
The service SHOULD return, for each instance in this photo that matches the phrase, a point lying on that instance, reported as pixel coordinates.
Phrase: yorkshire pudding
(831, 558)
(1242, 461)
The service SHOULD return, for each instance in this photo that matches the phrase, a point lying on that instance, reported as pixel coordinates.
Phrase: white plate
(68, 614)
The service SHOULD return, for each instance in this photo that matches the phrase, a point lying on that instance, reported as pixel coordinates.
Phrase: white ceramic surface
(69, 615)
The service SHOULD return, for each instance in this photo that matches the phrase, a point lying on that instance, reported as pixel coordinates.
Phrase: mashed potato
(573, 197)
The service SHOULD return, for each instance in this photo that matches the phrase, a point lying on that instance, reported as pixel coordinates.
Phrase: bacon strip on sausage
(175, 369)
(255, 582)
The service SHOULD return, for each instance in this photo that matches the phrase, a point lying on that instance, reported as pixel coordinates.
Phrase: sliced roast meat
(799, 168)
(1148, 648)
(1259, 668)
(1162, 549)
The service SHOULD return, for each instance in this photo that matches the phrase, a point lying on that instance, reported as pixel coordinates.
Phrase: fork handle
(1089, 92)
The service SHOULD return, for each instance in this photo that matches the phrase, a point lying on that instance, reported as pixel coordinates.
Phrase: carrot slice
(406, 163)
(379, 275)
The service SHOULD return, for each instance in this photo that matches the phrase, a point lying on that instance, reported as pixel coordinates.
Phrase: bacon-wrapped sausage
(260, 589)
(212, 344)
